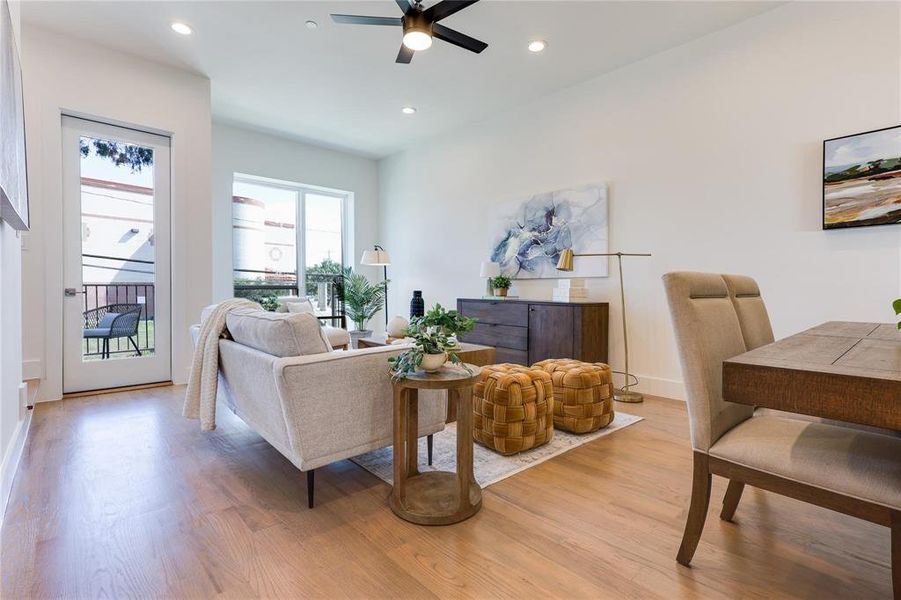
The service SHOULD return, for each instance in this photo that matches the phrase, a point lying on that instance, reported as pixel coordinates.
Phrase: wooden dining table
(846, 371)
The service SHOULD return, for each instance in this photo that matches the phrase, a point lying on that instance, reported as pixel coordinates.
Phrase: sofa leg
(429, 442)
(310, 487)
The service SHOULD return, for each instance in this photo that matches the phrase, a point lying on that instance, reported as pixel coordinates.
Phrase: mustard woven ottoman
(512, 408)
(583, 394)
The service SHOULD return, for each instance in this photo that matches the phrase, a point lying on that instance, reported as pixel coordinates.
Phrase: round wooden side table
(433, 497)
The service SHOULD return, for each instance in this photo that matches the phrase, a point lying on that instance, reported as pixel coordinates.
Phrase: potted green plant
(501, 284)
(434, 337)
(897, 306)
(362, 300)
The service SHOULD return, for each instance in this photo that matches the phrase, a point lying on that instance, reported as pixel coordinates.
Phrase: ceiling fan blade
(405, 55)
(445, 9)
(364, 20)
(405, 6)
(456, 38)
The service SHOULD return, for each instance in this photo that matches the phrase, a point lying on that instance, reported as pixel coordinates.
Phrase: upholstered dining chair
(847, 470)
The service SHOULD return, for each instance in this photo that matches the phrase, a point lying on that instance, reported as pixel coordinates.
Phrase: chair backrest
(126, 324)
(751, 310)
(707, 332)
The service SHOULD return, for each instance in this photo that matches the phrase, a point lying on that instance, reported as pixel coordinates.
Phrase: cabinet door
(550, 332)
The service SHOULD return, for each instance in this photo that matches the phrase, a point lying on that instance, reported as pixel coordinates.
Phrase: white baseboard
(658, 386)
(11, 458)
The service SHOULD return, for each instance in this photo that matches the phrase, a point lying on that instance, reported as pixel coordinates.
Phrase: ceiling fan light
(537, 45)
(417, 40)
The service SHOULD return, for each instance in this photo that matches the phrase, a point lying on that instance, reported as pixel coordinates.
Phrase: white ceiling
(338, 85)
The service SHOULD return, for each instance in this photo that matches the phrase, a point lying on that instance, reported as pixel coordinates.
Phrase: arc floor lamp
(565, 263)
(378, 257)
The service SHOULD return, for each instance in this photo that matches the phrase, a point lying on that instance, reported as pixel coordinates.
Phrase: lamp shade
(565, 262)
(490, 269)
(375, 258)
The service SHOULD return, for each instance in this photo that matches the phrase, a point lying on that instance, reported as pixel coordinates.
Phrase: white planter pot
(433, 362)
(357, 334)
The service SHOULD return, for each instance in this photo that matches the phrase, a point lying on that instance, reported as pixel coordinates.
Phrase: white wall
(13, 415)
(63, 74)
(237, 150)
(713, 155)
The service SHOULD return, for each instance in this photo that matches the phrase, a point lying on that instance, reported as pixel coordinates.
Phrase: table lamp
(489, 270)
(378, 257)
(565, 263)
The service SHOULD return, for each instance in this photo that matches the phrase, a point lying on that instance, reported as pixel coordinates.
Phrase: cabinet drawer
(501, 336)
(499, 312)
(506, 355)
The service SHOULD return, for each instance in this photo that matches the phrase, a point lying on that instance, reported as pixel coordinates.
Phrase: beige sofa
(313, 408)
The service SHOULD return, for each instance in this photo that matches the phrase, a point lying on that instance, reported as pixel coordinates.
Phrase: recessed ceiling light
(312, 25)
(181, 28)
(408, 110)
(537, 45)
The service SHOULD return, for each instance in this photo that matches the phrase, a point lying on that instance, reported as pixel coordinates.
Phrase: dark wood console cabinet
(526, 331)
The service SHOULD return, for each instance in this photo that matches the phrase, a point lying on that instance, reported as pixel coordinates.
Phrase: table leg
(463, 396)
(412, 432)
(400, 428)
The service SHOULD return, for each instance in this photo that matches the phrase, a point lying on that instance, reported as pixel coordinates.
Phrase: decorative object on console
(397, 327)
(570, 290)
(565, 263)
(13, 173)
(434, 337)
(489, 271)
(862, 179)
(362, 300)
(500, 284)
(378, 257)
(533, 232)
(417, 304)
(527, 331)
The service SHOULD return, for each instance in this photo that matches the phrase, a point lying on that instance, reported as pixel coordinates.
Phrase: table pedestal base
(433, 498)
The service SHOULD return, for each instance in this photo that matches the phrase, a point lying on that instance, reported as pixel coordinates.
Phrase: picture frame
(861, 179)
(14, 207)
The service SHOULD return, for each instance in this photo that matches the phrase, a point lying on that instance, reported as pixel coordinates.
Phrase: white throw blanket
(200, 399)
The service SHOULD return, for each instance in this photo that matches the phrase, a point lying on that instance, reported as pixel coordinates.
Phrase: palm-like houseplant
(362, 299)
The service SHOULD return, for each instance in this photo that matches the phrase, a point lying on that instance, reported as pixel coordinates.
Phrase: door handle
(72, 292)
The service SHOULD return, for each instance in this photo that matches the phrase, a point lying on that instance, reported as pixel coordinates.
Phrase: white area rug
(489, 466)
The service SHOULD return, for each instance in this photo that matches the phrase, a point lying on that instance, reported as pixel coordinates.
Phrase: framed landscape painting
(531, 232)
(13, 180)
(862, 179)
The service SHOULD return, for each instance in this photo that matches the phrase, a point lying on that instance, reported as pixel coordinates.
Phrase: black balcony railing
(97, 295)
(266, 287)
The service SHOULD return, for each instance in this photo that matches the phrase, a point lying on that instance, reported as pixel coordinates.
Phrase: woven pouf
(583, 394)
(512, 407)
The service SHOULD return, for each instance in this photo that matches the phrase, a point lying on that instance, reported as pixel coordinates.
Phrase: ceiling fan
(420, 26)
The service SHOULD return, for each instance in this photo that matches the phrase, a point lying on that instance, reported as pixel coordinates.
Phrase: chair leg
(310, 487)
(697, 512)
(105, 353)
(429, 442)
(896, 554)
(135, 344)
(730, 500)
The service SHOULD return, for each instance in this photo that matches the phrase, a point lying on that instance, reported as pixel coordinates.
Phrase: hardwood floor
(118, 495)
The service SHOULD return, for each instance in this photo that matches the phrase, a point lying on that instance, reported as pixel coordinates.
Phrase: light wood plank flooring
(119, 496)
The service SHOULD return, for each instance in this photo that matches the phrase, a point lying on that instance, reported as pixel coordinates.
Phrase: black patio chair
(110, 322)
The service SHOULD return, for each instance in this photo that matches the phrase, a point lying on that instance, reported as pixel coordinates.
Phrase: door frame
(163, 179)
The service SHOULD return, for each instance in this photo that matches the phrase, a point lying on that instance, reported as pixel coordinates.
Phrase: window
(278, 225)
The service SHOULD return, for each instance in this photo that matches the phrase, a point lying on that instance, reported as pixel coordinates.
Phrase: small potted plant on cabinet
(501, 284)
(362, 300)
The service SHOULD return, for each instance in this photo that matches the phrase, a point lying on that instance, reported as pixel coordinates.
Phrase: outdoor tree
(135, 157)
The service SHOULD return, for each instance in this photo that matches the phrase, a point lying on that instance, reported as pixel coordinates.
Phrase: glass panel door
(116, 239)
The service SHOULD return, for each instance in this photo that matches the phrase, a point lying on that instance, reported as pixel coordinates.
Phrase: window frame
(300, 190)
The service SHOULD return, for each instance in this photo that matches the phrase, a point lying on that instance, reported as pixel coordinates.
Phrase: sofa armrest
(340, 404)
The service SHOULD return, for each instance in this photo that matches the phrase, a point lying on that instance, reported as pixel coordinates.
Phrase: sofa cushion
(301, 306)
(337, 337)
(278, 334)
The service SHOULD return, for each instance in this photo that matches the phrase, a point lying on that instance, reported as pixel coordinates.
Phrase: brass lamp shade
(565, 262)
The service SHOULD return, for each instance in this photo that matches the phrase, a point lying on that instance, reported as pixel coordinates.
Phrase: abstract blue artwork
(531, 233)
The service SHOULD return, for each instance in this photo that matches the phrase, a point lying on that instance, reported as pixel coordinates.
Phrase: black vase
(417, 304)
